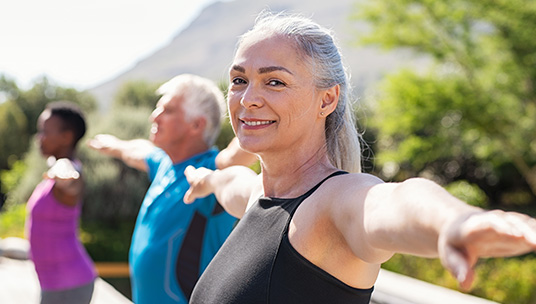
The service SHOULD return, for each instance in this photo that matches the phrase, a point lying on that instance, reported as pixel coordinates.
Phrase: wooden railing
(112, 269)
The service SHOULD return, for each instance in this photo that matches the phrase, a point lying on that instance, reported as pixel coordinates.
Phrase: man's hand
(106, 144)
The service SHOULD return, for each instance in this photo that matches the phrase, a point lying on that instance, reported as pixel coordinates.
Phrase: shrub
(468, 193)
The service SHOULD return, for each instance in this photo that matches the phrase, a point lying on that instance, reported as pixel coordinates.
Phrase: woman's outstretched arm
(421, 218)
(233, 186)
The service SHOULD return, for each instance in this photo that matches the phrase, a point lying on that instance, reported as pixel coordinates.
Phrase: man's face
(170, 127)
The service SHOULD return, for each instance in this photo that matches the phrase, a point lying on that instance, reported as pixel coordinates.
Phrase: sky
(81, 44)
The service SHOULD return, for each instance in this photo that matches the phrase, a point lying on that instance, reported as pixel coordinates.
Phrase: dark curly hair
(71, 116)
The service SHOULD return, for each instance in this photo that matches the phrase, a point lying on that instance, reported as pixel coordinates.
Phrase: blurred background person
(66, 272)
(173, 242)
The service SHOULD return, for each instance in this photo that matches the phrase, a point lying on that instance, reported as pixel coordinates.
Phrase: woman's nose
(251, 98)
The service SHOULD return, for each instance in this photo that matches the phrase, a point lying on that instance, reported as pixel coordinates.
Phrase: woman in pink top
(66, 272)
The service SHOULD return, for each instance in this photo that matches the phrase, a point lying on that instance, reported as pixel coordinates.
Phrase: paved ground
(19, 285)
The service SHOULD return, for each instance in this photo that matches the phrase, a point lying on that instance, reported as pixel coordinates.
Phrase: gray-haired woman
(313, 228)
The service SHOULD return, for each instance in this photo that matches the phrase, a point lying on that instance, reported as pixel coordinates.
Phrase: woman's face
(51, 136)
(272, 100)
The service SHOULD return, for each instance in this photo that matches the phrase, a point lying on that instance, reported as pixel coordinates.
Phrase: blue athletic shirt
(173, 242)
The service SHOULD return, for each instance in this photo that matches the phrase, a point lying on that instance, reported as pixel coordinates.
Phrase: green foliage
(33, 101)
(429, 270)
(137, 94)
(509, 281)
(468, 193)
(10, 179)
(13, 125)
(23, 177)
(471, 115)
(12, 221)
(108, 242)
(226, 134)
(113, 190)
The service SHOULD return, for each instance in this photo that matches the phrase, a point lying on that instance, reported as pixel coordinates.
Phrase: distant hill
(207, 45)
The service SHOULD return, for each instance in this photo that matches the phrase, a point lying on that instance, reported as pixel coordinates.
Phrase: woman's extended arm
(69, 185)
(233, 155)
(421, 218)
(232, 186)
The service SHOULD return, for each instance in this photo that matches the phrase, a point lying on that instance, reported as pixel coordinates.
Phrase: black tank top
(257, 264)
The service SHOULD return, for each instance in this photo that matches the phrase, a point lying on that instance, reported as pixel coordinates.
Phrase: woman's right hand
(199, 187)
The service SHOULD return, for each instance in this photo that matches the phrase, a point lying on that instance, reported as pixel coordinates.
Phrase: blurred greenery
(468, 113)
(468, 193)
(137, 94)
(12, 221)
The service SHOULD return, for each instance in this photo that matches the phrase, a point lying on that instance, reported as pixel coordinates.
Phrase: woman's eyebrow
(273, 68)
(238, 68)
(262, 70)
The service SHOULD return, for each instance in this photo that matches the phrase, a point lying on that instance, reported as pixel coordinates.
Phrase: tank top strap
(312, 190)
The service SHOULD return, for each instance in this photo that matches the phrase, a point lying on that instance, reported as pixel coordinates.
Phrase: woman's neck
(287, 176)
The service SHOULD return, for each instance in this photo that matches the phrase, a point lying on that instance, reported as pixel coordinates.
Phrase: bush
(20, 181)
(114, 191)
(13, 128)
(468, 193)
(107, 242)
(12, 221)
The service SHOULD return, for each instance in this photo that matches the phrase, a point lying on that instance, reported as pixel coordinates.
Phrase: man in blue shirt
(173, 242)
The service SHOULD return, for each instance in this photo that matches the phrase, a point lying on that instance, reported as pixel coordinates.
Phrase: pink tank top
(61, 262)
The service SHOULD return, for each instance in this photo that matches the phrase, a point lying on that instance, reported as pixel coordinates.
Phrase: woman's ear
(330, 99)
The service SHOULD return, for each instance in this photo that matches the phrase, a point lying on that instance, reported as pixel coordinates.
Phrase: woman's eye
(237, 81)
(275, 82)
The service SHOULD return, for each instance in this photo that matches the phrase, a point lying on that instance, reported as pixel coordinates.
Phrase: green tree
(13, 125)
(114, 191)
(33, 101)
(471, 115)
(137, 93)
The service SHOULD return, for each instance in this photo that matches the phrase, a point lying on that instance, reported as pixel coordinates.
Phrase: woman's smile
(256, 123)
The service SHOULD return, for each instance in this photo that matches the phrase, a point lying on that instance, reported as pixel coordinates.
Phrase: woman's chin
(254, 146)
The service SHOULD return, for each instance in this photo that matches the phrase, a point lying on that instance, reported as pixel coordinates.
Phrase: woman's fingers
(486, 234)
(196, 179)
(63, 169)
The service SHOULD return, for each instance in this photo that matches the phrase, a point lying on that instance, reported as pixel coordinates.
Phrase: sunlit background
(83, 43)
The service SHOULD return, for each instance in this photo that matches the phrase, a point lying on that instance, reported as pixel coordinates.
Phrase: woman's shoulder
(347, 187)
(356, 180)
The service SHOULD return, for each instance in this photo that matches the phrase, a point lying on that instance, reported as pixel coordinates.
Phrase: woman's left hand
(484, 234)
